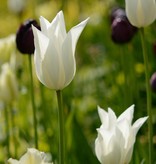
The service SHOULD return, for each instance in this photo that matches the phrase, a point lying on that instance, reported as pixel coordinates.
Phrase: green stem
(61, 128)
(33, 102)
(13, 131)
(148, 90)
(7, 128)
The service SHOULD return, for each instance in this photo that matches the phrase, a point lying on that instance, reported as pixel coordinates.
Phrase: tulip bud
(141, 13)
(25, 37)
(122, 30)
(153, 82)
(8, 84)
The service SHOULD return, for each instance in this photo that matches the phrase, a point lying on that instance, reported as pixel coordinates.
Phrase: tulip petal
(13, 161)
(127, 114)
(111, 118)
(138, 123)
(68, 51)
(52, 67)
(63, 32)
(103, 116)
(74, 33)
(44, 25)
(41, 45)
(102, 142)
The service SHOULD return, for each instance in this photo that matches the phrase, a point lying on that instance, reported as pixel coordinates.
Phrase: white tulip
(54, 55)
(8, 84)
(141, 13)
(32, 156)
(116, 136)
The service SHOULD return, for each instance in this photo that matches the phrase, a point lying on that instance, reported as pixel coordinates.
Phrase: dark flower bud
(117, 12)
(25, 38)
(153, 82)
(122, 30)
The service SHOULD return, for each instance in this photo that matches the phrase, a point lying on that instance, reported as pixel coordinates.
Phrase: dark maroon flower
(153, 82)
(25, 38)
(122, 30)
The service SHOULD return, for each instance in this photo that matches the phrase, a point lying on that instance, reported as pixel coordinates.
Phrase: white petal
(69, 63)
(74, 34)
(41, 45)
(62, 25)
(52, 68)
(44, 23)
(138, 123)
(111, 118)
(41, 42)
(103, 116)
(68, 51)
(128, 114)
(53, 28)
(13, 161)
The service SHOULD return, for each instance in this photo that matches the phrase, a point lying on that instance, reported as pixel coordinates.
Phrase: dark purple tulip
(122, 30)
(25, 38)
(153, 82)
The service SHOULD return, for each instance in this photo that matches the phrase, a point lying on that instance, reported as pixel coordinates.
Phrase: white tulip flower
(32, 156)
(54, 55)
(116, 136)
(8, 84)
(141, 13)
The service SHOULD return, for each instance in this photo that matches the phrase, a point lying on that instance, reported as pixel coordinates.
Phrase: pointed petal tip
(85, 21)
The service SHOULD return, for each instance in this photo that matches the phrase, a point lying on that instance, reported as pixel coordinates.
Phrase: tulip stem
(14, 138)
(148, 92)
(7, 128)
(61, 128)
(33, 102)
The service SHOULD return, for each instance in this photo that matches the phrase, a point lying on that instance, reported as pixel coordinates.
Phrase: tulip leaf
(80, 150)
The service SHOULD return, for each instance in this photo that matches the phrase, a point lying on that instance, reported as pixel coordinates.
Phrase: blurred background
(108, 75)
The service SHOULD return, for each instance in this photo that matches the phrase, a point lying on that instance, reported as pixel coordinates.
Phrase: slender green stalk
(33, 102)
(123, 58)
(61, 128)
(7, 128)
(148, 91)
(13, 131)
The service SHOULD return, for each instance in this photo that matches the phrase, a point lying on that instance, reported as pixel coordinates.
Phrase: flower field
(79, 59)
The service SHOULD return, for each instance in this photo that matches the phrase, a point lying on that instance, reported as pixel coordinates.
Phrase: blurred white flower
(16, 6)
(32, 156)
(8, 84)
(7, 47)
(116, 136)
(55, 51)
(141, 13)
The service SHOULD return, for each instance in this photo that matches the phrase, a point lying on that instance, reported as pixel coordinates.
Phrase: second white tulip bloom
(54, 55)
(116, 136)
